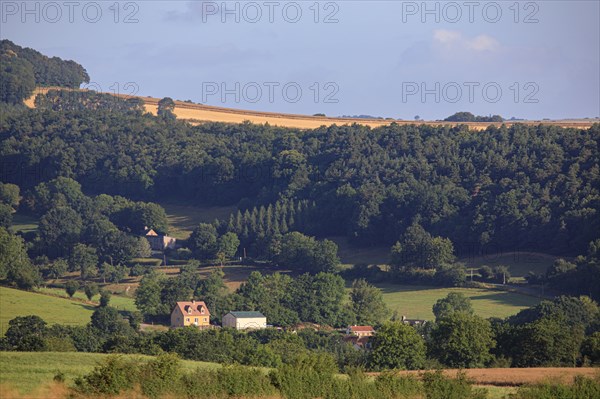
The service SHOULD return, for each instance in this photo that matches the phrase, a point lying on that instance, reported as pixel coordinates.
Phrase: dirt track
(198, 113)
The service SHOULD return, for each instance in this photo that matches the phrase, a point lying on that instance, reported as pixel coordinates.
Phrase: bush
(113, 376)
(238, 381)
(486, 272)
(71, 287)
(582, 387)
(105, 298)
(414, 276)
(451, 275)
(59, 377)
(229, 381)
(183, 254)
(391, 385)
(438, 386)
(138, 270)
(91, 290)
(160, 375)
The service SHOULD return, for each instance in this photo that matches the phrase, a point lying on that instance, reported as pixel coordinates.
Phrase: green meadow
(53, 310)
(29, 371)
(415, 302)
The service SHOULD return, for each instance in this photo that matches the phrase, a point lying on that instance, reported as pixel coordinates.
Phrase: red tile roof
(361, 329)
(193, 308)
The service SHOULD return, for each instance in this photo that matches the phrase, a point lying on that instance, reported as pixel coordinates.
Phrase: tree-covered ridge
(66, 100)
(518, 187)
(48, 71)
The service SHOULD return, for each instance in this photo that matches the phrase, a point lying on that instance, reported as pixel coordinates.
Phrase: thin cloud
(455, 40)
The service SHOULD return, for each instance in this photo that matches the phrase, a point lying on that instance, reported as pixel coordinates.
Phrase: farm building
(190, 313)
(358, 342)
(360, 331)
(245, 320)
(159, 242)
(413, 322)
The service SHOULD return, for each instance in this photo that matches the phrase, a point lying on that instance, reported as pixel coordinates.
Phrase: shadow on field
(502, 297)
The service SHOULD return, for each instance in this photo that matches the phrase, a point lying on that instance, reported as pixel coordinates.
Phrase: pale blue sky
(375, 56)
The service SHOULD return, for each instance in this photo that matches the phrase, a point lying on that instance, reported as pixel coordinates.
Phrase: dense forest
(509, 188)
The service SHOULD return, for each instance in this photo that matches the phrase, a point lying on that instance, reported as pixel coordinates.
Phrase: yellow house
(190, 314)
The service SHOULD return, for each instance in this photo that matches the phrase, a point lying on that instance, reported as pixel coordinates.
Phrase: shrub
(105, 298)
(438, 386)
(138, 270)
(113, 376)
(71, 287)
(582, 387)
(59, 377)
(391, 385)
(91, 290)
(486, 272)
(200, 384)
(160, 375)
(238, 381)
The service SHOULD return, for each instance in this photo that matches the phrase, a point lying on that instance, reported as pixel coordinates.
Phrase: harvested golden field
(519, 376)
(198, 113)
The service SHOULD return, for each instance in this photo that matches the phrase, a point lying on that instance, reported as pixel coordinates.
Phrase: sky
(398, 59)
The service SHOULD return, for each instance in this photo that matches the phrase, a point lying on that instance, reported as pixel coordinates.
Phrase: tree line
(96, 236)
(285, 301)
(561, 332)
(24, 68)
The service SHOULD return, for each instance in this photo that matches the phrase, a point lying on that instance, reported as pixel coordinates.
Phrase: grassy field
(519, 263)
(351, 255)
(23, 223)
(15, 303)
(118, 301)
(28, 371)
(415, 302)
(183, 219)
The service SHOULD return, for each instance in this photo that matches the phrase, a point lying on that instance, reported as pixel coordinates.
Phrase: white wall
(254, 322)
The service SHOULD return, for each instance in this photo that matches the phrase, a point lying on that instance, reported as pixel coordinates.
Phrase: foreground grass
(415, 302)
(494, 392)
(53, 310)
(29, 371)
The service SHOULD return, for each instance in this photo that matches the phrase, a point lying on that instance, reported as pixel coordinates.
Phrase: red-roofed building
(192, 313)
(358, 342)
(360, 331)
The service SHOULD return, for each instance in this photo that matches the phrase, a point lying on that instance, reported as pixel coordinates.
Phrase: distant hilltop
(199, 113)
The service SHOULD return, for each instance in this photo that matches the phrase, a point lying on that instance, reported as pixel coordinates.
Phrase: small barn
(245, 320)
(159, 242)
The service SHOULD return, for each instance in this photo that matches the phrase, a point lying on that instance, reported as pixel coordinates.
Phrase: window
(202, 310)
(205, 319)
(187, 319)
(196, 320)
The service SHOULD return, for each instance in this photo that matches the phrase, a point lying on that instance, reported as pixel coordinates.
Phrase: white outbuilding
(245, 320)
